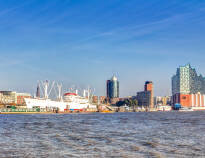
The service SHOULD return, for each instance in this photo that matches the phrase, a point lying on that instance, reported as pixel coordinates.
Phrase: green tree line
(129, 102)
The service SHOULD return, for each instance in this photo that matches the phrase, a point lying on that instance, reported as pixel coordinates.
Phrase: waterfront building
(128, 97)
(149, 87)
(95, 99)
(188, 88)
(145, 98)
(112, 89)
(165, 100)
(6, 98)
(196, 101)
(12, 97)
(20, 98)
(102, 99)
(98, 99)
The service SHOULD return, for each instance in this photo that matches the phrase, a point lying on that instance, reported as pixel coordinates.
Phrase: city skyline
(84, 43)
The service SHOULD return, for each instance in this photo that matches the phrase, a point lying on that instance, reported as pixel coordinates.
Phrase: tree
(129, 102)
(120, 103)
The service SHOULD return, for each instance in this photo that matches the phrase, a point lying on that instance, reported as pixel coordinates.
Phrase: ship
(70, 101)
(76, 102)
(185, 109)
(46, 104)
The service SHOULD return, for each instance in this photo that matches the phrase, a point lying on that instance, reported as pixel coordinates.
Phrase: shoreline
(27, 113)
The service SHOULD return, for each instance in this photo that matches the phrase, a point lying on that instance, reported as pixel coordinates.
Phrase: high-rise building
(188, 88)
(186, 81)
(149, 87)
(145, 98)
(112, 88)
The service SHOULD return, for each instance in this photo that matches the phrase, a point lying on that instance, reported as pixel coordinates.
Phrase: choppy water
(157, 134)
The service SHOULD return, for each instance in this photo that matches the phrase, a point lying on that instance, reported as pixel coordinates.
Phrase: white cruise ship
(70, 101)
(45, 103)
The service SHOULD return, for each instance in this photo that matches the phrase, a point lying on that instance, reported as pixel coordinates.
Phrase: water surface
(127, 135)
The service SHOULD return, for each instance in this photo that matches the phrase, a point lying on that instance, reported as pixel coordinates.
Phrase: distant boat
(183, 109)
(164, 108)
(106, 111)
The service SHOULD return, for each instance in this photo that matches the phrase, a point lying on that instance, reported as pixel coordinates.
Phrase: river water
(127, 135)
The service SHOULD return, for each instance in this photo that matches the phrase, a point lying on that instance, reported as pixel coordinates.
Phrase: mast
(46, 87)
(88, 94)
(46, 84)
(59, 91)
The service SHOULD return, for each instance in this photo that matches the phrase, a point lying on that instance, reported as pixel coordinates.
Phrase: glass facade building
(113, 88)
(186, 81)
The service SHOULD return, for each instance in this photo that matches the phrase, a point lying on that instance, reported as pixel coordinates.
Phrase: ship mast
(59, 91)
(45, 86)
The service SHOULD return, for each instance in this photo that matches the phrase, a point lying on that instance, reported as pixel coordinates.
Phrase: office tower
(112, 88)
(188, 88)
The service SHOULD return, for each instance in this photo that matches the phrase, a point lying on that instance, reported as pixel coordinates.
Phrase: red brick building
(20, 99)
(146, 98)
(189, 100)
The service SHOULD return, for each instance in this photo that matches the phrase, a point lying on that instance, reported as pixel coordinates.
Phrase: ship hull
(45, 103)
(61, 105)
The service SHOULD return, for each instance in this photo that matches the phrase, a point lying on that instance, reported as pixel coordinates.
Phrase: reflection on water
(156, 134)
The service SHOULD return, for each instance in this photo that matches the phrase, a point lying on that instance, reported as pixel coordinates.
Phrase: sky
(85, 42)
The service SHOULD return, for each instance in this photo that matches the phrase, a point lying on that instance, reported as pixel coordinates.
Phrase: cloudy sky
(85, 42)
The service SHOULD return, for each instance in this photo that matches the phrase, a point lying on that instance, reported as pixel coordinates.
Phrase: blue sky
(83, 42)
